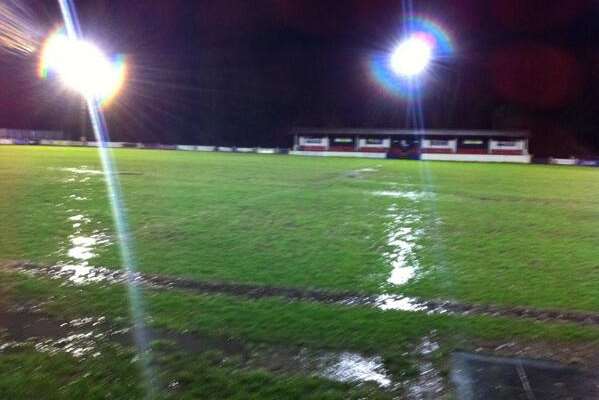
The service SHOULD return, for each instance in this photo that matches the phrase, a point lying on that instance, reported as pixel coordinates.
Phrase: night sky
(241, 72)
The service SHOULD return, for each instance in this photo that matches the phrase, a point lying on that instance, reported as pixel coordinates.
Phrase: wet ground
(80, 337)
(84, 337)
(473, 376)
(28, 326)
(402, 236)
(84, 274)
(404, 230)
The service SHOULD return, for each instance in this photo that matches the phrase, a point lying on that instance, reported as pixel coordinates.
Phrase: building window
(313, 140)
(506, 144)
(439, 142)
(472, 142)
(374, 141)
(343, 140)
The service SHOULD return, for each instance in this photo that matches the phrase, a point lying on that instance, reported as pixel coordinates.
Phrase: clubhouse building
(442, 145)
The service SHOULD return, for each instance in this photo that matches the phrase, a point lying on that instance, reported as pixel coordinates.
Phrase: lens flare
(20, 30)
(82, 67)
(403, 70)
(117, 205)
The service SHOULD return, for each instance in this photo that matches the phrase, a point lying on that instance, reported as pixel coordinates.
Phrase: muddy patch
(84, 337)
(475, 376)
(130, 173)
(88, 275)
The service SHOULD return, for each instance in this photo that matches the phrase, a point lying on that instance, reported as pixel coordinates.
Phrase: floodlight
(82, 67)
(411, 57)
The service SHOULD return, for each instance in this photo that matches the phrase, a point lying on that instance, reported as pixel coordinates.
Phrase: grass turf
(502, 234)
(258, 323)
(505, 234)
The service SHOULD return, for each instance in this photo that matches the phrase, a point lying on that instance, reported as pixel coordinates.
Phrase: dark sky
(242, 72)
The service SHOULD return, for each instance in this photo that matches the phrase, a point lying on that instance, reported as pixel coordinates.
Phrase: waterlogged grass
(258, 323)
(278, 321)
(505, 234)
(501, 234)
(28, 374)
(255, 219)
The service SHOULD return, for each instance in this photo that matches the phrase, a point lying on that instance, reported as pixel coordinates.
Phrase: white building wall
(245, 150)
(386, 143)
(451, 144)
(185, 147)
(339, 154)
(205, 148)
(263, 150)
(476, 157)
(563, 161)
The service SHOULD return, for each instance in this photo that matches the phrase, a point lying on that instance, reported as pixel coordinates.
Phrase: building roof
(408, 132)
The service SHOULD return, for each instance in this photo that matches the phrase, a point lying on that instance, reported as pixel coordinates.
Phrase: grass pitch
(507, 234)
(511, 235)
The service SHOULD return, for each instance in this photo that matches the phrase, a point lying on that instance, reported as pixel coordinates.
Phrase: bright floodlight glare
(411, 57)
(82, 67)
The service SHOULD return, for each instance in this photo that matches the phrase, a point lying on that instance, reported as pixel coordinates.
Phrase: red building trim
(342, 148)
(472, 151)
(373, 149)
(436, 150)
(508, 152)
(312, 148)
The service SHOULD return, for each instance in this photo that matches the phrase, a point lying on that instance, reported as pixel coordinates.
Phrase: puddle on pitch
(87, 239)
(404, 230)
(346, 367)
(399, 303)
(83, 170)
(401, 194)
(83, 245)
(403, 233)
(85, 274)
(360, 173)
(368, 169)
(354, 368)
(83, 337)
(82, 248)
